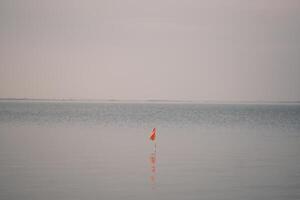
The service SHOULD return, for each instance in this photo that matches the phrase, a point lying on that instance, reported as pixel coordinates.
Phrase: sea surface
(101, 150)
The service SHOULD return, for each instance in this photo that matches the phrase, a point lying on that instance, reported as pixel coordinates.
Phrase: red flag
(153, 134)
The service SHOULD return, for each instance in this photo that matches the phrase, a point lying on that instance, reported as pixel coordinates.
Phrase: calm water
(101, 151)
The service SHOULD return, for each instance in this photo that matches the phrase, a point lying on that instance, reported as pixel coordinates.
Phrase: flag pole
(152, 137)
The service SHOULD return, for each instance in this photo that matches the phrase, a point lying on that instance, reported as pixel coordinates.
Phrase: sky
(233, 50)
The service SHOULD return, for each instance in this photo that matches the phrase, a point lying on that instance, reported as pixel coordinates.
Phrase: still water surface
(79, 150)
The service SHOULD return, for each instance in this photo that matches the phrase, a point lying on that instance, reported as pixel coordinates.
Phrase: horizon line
(148, 100)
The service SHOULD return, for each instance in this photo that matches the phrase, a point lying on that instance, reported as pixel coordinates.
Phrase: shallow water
(77, 150)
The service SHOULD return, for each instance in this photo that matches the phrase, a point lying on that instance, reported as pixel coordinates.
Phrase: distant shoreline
(147, 101)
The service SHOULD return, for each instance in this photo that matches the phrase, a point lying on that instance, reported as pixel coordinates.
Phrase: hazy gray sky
(150, 49)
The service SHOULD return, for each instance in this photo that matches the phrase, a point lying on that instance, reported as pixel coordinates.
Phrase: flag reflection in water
(152, 159)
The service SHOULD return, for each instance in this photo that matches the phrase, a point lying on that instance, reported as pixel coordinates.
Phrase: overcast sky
(150, 49)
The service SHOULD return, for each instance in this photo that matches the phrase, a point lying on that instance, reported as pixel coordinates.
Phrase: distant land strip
(148, 101)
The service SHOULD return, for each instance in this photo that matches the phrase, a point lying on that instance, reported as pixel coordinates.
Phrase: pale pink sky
(158, 49)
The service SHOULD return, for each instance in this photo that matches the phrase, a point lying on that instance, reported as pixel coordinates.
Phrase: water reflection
(152, 159)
